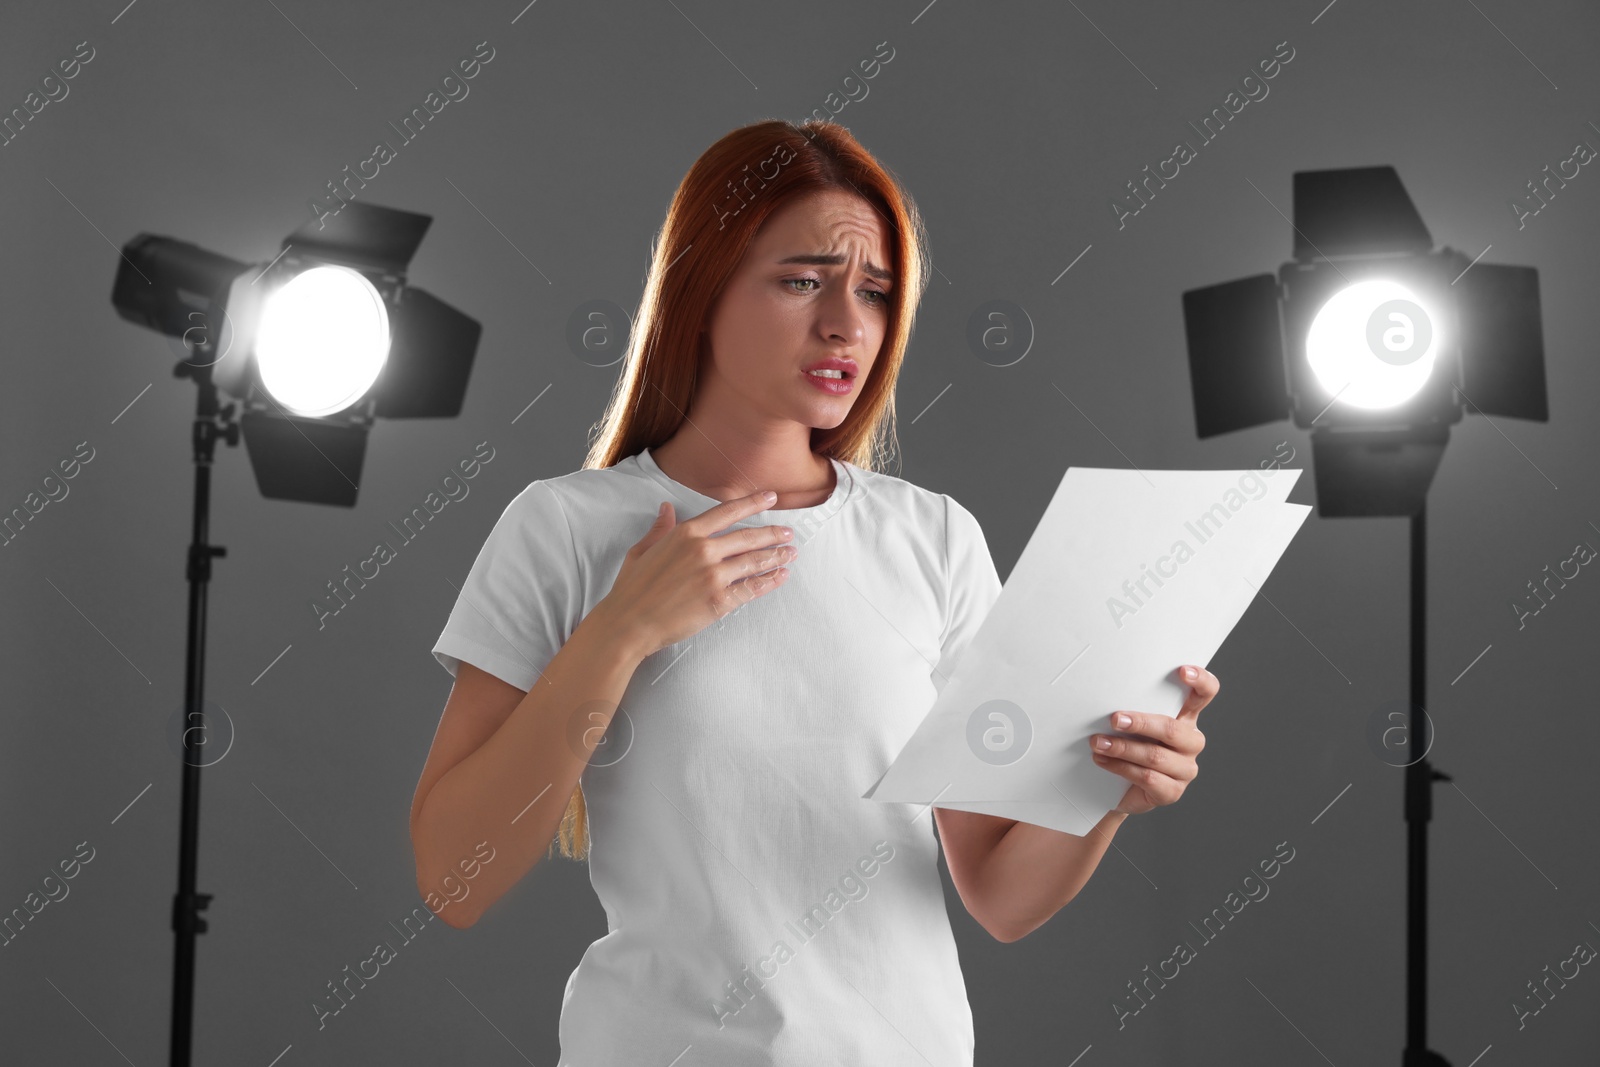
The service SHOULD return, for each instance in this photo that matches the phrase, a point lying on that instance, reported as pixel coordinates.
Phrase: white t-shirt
(759, 911)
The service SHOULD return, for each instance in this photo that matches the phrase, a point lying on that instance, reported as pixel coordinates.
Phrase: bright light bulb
(323, 339)
(1373, 344)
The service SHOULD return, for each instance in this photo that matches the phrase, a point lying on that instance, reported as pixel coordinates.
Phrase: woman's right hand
(678, 579)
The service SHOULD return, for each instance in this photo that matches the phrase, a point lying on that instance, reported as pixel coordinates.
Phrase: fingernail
(1188, 674)
(769, 496)
(1123, 721)
(1102, 743)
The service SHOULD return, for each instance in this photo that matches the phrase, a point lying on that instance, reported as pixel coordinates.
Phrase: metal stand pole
(1420, 777)
(211, 424)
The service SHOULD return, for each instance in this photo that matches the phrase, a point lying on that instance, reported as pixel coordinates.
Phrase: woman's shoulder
(926, 508)
(576, 497)
(584, 481)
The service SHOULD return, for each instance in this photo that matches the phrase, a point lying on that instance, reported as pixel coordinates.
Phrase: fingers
(757, 562)
(1175, 763)
(1177, 733)
(750, 541)
(729, 512)
(1162, 788)
(665, 520)
(1202, 689)
(1160, 759)
(739, 593)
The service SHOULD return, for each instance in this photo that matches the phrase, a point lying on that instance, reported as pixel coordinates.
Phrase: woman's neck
(800, 481)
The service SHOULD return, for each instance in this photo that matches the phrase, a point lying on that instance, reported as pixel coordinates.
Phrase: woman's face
(784, 310)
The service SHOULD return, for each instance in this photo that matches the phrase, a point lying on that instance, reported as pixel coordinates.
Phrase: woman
(710, 702)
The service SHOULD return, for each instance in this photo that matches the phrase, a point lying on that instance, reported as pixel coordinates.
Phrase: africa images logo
(1399, 332)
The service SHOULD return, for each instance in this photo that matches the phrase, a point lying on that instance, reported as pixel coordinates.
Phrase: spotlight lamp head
(1370, 338)
(315, 345)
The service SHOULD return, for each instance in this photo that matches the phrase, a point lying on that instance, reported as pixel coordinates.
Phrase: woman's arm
(495, 753)
(1013, 875)
(1036, 871)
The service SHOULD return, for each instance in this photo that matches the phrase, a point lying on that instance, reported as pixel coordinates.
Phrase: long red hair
(728, 193)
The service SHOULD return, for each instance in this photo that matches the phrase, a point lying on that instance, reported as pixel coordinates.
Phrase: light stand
(1366, 306)
(1420, 777)
(212, 422)
(319, 343)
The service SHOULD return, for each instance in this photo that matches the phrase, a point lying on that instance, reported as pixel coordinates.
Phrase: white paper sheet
(1128, 575)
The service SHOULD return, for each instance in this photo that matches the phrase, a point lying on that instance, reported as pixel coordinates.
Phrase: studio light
(1377, 344)
(322, 339)
(315, 345)
(1373, 345)
(1371, 339)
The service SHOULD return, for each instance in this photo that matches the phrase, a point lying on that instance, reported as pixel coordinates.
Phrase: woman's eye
(883, 298)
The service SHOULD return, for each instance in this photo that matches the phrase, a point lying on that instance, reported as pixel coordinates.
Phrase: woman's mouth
(830, 381)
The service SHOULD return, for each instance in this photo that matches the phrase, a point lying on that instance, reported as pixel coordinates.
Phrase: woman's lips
(835, 386)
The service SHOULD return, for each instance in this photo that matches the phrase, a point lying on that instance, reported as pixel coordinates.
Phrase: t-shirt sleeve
(972, 585)
(523, 597)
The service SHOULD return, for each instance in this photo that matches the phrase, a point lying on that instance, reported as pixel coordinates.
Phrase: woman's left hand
(1160, 768)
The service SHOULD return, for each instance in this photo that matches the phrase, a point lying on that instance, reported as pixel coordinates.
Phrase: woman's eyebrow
(872, 270)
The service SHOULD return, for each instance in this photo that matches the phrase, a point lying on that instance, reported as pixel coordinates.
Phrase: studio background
(1013, 126)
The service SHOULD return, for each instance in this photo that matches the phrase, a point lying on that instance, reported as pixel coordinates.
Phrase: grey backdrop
(1013, 126)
